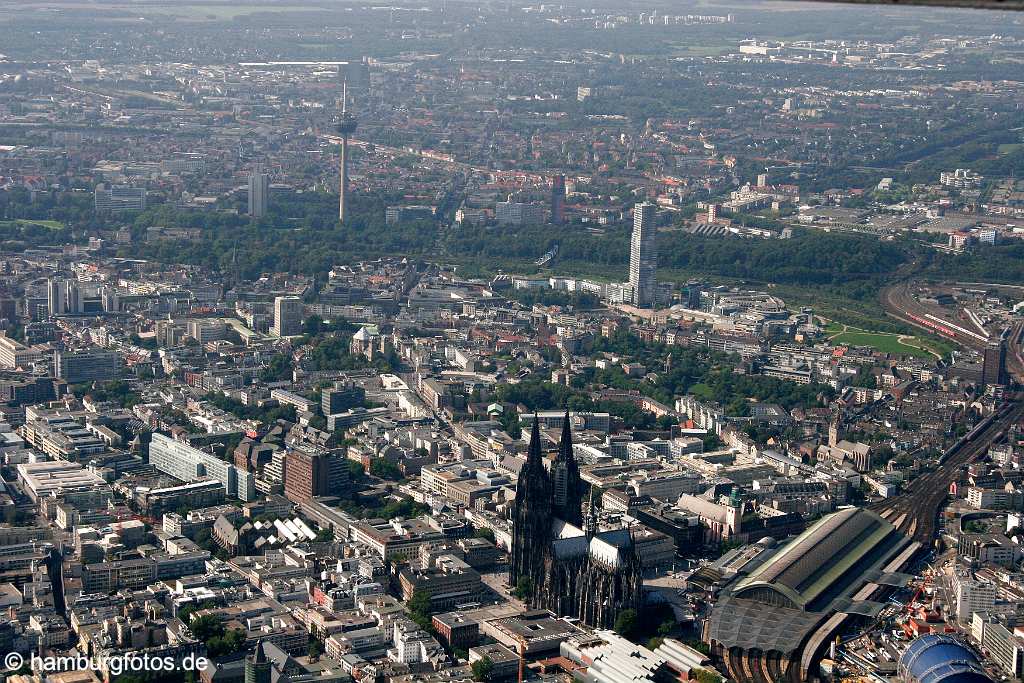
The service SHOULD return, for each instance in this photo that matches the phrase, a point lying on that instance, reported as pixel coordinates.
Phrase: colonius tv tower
(346, 126)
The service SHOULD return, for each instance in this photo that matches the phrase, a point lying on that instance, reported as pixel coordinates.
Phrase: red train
(942, 329)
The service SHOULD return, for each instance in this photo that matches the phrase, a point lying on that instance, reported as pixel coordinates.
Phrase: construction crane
(521, 643)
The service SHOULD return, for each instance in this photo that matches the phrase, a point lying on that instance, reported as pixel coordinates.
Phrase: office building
(579, 419)
(397, 539)
(8, 308)
(88, 365)
(109, 299)
(189, 464)
(287, 316)
(56, 291)
(972, 594)
(72, 297)
(341, 397)
(207, 330)
(993, 370)
(355, 75)
(189, 162)
(259, 191)
(14, 354)
(307, 475)
(194, 495)
(119, 198)
(290, 398)
(999, 637)
(456, 630)
(643, 256)
(394, 215)
(21, 390)
(448, 581)
(518, 213)
(691, 295)
(54, 477)
(558, 199)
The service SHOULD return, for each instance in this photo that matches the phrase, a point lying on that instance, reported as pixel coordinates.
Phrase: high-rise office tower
(287, 316)
(346, 126)
(111, 303)
(55, 293)
(692, 294)
(259, 189)
(558, 199)
(356, 75)
(993, 369)
(643, 256)
(72, 297)
(311, 474)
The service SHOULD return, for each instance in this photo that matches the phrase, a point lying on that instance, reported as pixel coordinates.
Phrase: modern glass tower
(643, 256)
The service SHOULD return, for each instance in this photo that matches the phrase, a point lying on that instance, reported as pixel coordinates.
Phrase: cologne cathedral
(571, 568)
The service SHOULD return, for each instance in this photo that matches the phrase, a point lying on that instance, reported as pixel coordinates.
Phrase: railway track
(1014, 352)
(915, 512)
(899, 303)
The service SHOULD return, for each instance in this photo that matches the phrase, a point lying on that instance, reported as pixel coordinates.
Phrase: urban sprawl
(609, 342)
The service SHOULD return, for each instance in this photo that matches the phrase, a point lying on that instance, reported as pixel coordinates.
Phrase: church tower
(257, 666)
(531, 517)
(565, 478)
(834, 426)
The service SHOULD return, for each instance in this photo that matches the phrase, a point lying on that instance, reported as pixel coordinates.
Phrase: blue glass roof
(939, 658)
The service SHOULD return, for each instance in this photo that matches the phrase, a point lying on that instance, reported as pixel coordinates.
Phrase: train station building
(778, 615)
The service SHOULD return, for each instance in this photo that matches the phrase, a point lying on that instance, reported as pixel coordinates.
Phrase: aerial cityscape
(599, 341)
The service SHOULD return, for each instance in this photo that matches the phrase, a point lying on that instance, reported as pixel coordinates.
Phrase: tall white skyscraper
(259, 189)
(643, 256)
(287, 316)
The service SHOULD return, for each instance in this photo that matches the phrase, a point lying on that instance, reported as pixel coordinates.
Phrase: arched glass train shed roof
(815, 567)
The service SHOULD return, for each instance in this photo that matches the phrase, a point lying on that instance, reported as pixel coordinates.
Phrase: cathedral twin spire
(564, 485)
(573, 584)
(572, 495)
(542, 496)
